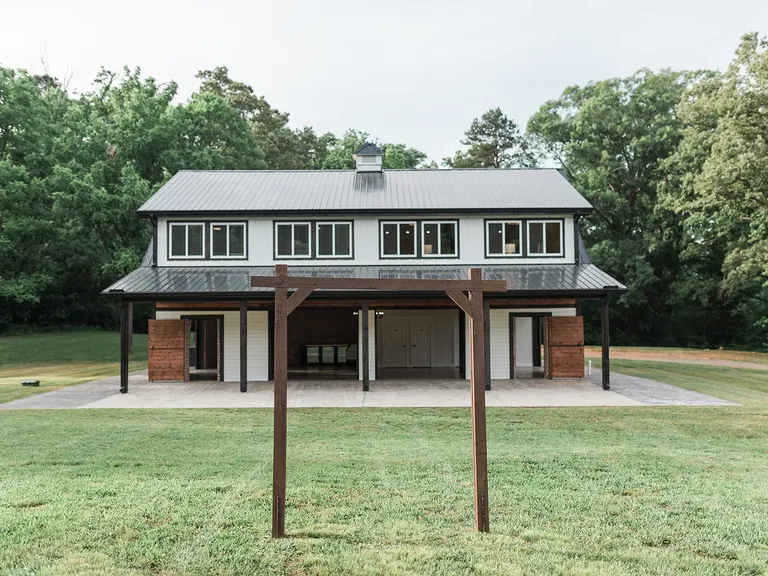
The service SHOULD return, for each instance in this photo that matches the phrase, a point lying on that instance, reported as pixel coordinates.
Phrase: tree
(612, 138)
(721, 172)
(494, 141)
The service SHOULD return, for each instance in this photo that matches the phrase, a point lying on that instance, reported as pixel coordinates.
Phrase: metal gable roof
(266, 191)
(541, 279)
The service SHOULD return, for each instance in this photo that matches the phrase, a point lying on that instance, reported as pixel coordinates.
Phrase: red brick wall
(319, 326)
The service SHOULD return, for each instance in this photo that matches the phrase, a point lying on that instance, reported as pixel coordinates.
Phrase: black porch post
(366, 359)
(130, 327)
(243, 346)
(487, 338)
(124, 346)
(606, 365)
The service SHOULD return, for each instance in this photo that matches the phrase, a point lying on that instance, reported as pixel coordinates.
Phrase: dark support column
(124, 350)
(130, 327)
(578, 307)
(487, 346)
(281, 407)
(364, 347)
(606, 362)
(462, 344)
(243, 346)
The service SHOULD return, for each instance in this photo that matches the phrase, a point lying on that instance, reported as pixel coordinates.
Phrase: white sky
(411, 71)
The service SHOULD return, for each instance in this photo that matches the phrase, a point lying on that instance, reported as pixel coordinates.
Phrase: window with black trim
(334, 239)
(503, 238)
(293, 240)
(398, 239)
(187, 240)
(438, 238)
(228, 240)
(545, 238)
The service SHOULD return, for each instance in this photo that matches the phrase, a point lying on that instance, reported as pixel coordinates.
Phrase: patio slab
(626, 391)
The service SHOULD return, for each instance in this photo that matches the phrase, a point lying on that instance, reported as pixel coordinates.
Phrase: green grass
(601, 491)
(60, 359)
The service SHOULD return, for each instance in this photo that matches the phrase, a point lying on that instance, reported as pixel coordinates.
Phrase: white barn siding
(258, 345)
(499, 335)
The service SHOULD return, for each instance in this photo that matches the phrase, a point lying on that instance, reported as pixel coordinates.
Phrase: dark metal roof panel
(330, 190)
(520, 278)
(369, 149)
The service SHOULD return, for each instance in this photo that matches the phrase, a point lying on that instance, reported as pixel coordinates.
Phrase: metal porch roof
(544, 279)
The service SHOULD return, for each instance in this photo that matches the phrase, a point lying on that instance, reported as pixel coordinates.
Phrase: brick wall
(319, 326)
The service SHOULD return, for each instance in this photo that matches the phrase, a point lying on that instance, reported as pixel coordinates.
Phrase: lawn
(605, 491)
(60, 359)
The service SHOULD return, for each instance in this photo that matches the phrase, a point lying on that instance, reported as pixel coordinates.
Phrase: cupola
(369, 158)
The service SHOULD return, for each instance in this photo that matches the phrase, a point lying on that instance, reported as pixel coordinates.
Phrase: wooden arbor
(472, 305)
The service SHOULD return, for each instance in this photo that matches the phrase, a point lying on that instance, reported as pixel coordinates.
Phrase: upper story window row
(397, 239)
(207, 240)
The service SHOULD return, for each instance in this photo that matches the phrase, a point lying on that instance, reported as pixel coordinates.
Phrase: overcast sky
(411, 71)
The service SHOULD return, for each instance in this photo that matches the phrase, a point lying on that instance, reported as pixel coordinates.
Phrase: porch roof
(207, 282)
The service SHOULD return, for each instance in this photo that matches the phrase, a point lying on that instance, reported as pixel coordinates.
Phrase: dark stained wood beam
(125, 353)
(130, 327)
(281, 407)
(477, 366)
(460, 299)
(397, 284)
(295, 299)
(606, 360)
(366, 364)
(243, 346)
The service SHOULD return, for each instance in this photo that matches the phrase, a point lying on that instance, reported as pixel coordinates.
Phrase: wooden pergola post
(479, 445)
(472, 305)
(366, 363)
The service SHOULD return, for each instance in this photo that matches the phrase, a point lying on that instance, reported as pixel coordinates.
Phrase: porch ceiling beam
(295, 299)
(397, 284)
(461, 300)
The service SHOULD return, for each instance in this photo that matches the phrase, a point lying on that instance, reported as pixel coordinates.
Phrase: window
(503, 238)
(228, 240)
(545, 238)
(292, 240)
(334, 239)
(398, 239)
(187, 240)
(438, 239)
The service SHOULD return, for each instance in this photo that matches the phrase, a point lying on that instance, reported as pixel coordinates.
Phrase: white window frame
(398, 255)
(186, 226)
(293, 240)
(242, 256)
(544, 223)
(504, 239)
(333, 223)
(440, 223)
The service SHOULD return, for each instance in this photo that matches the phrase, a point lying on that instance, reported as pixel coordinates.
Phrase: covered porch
(533, 329)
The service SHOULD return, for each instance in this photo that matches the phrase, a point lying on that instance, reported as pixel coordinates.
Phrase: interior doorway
(528, 341)
(205, 351)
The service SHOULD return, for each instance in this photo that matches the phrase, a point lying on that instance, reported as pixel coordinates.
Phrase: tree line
(674, 162)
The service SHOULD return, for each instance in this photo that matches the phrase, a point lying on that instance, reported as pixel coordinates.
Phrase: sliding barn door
(168, 350)
(566, 343)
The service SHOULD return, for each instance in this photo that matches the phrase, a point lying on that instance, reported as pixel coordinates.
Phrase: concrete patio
(626, 391)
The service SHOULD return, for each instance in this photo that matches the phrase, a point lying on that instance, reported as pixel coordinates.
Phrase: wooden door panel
(420, 343)
(167, 349)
